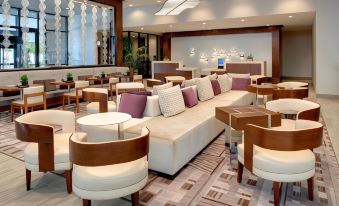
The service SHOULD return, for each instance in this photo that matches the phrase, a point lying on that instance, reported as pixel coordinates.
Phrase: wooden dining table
(102, 79)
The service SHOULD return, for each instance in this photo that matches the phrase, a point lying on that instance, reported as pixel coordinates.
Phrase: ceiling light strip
(175, 7)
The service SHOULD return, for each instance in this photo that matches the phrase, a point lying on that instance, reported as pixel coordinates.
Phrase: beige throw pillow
(225, 83)
(157, 88)
(171, 101)
(205, 89)
(188, 83)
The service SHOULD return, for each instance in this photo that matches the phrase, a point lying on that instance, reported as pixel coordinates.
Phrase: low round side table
(103, 119)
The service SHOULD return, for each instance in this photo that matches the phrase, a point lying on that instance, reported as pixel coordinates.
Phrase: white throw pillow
(157, 88)
(225, 83)
(244, 76)
(213, 76)
(171, 101)
(188, 83)
(205, 89)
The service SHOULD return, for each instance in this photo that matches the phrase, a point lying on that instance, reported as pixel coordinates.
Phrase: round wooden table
(263, 89)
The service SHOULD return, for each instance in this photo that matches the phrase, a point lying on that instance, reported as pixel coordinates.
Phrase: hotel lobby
(169, 102)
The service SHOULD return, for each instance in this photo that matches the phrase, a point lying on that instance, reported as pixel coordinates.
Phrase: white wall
(327, 44)
(260, 45)
(297, 58)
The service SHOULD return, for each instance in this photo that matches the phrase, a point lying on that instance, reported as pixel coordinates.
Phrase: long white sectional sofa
(174, 141)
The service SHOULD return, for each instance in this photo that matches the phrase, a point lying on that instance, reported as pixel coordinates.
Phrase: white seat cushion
(93, 107)
(278, 162)
(30, 101)
(61, 153)
(111, 177)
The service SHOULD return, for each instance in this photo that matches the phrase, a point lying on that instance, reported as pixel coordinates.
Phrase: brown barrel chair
(109, 170)
(297, 93)
(280, 154)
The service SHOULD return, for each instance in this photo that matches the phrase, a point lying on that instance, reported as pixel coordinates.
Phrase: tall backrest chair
(296, 93)
(32, 97)
(47, 150)
(112, 85)
(109, 170)
(76, 94)
(280, 154)
(98, 100)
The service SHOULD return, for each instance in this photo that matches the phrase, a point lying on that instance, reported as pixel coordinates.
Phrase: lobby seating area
(169, 103)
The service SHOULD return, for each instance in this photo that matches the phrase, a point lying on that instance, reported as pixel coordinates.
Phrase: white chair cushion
(292, 85)
(225, 83)
(29, 100)
(290, 106)
(205, 89)
(111, 177)
(171, 101)
(61, 153)
(280, 162)
(93, 107)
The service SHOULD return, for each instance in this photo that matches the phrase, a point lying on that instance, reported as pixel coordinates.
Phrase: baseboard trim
(296, 78)
(329, 96)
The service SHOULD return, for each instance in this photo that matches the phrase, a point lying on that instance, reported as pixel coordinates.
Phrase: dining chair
(47, 150)
(76, 94)
(281, 154)
(112, 85)
(32, 97)
(109, 170)
(98, 101)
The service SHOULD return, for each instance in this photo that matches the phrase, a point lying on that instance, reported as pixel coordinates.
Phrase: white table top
(101, 119)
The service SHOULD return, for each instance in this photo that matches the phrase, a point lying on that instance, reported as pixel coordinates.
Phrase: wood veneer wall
(117, 5)
(276, 42)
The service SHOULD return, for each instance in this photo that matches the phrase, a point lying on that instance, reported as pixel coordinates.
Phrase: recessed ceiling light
(67, 8)
(142, 28)
(242, 20)
(290, 17)
(133, 36)
(159, 1)
(130, 5)
(268, 25)
(204, 23)
(171, 25)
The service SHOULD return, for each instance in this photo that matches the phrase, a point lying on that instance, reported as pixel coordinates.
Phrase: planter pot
(103, 75)
(69, 79)
(25, 83)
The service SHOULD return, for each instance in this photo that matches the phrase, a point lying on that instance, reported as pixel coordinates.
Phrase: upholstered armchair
(76, 94)
(98, 100)
(296, 93)
(47, 150)
(301, 109)
(109, 170)
(129, 86)
(281, 154)
(32, 97)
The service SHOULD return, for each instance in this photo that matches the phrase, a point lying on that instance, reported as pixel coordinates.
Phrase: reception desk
(161, 69)
(254, 68)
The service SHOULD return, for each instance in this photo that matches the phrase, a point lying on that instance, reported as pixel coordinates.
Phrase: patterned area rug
(209, 180)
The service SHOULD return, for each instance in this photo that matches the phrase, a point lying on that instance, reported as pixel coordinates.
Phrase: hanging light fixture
(175, 7)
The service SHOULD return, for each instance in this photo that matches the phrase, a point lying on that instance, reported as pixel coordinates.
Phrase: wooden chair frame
(28, 106)
(102, 98)
(77, 98)
(111, 90)
(44, 136)
(299, 93)
(109, 153)
(280, 141)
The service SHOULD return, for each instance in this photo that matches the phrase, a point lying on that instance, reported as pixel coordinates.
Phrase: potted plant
(141, 61)
(103, 74)
(24, 80)
(69, 76)
(250, 57)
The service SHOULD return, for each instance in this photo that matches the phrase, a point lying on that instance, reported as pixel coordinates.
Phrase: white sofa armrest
(152, 108)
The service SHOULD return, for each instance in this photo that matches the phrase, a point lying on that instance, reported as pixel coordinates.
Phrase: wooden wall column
(276, 55)
(166, 46)
(118, 21)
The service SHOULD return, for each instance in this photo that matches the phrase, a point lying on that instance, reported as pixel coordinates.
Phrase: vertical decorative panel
(24, 29)
(94, 31)
(70, 32)
(5, 30)
(57, 26)
(42, 32)
(104, 35)
(83, 33)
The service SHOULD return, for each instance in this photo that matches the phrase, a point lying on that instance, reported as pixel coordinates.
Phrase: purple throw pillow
(216, 87)
(133, 104)
(189, 97)
(140, 93)
(240, 84)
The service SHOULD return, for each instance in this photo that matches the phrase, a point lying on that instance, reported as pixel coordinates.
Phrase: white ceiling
(299, 20)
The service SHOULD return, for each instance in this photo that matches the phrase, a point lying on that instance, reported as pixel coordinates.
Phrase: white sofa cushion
(225, 83)
(234, 75)
(189, 82)
(111, 177)
(205, 89)
(157, 88)
(171, 101)
(213, 76)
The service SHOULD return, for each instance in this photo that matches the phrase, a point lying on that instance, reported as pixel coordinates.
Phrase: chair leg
(276, 190)
(63, 102)
(86, 202)
(240, 171)
(310, 188)
(12, 113)
(77, 105)
(68, 174)
(28, 179)
(135, 199)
